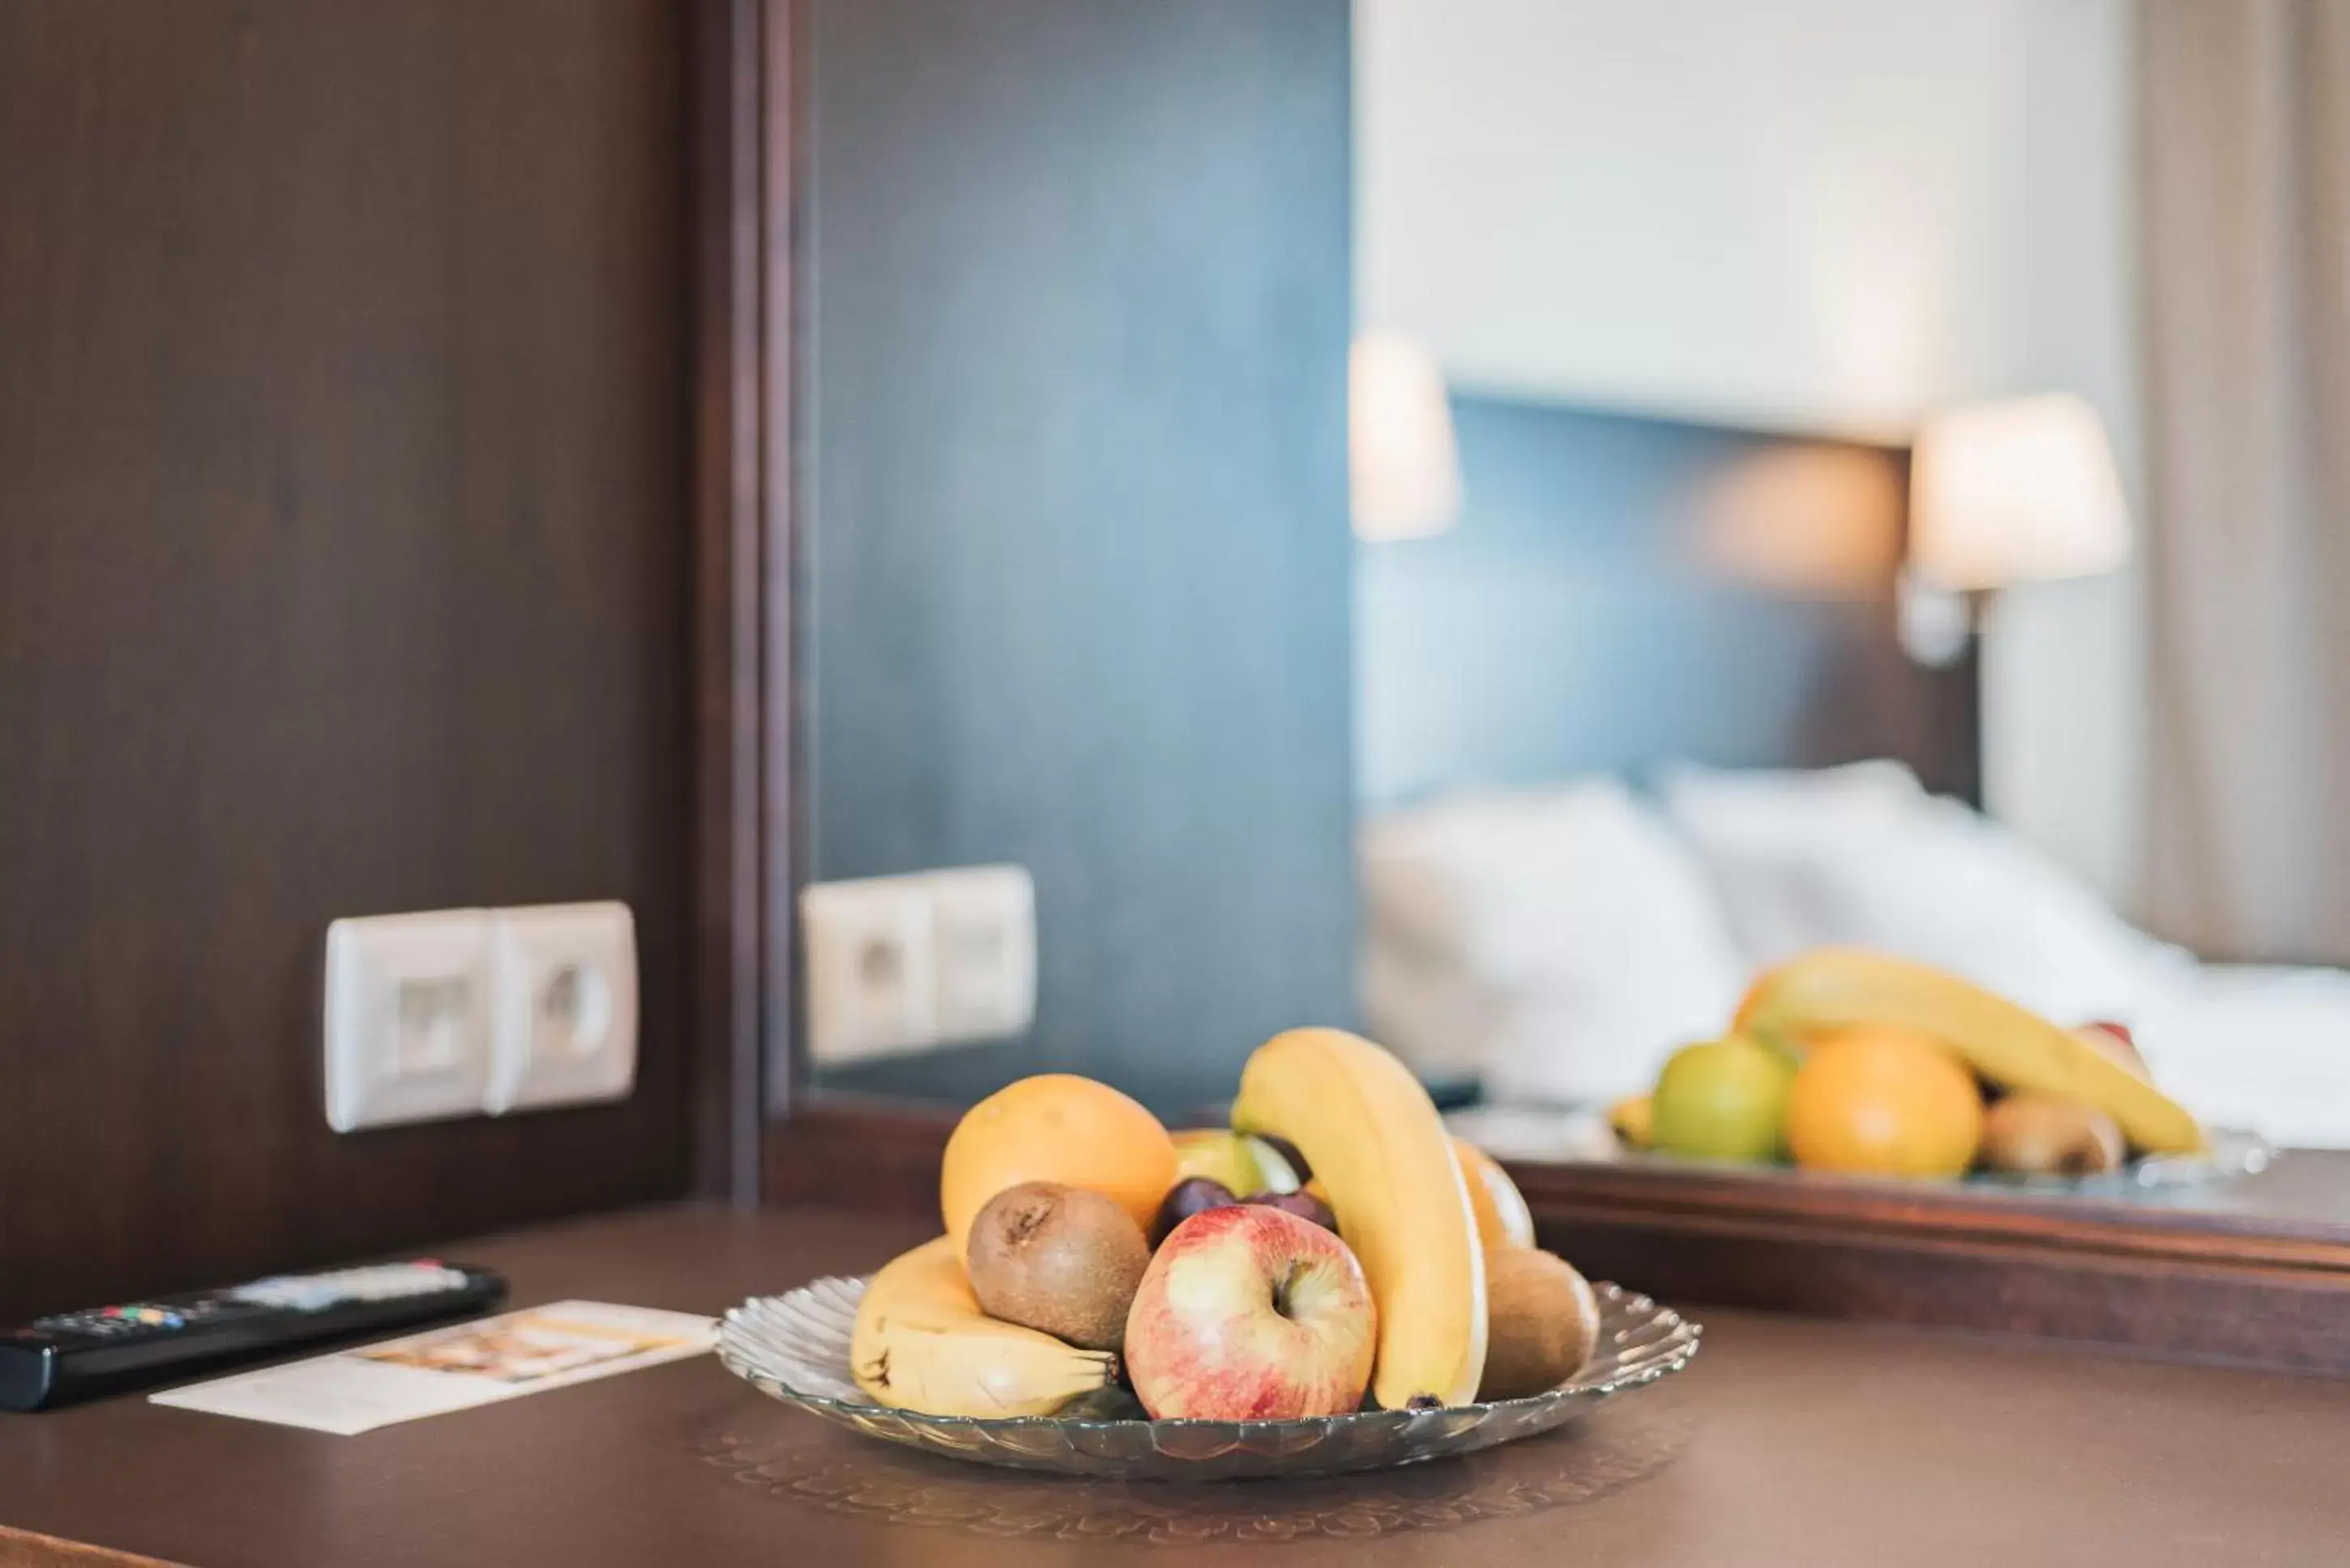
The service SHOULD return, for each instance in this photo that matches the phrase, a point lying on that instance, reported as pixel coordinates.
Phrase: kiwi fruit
(1541, 1323)
(2040, 1135)
(1061, 1260)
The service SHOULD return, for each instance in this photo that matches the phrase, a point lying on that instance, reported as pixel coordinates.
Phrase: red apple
(1251, 1314)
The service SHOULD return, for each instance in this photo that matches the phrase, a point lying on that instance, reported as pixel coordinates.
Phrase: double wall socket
(902, 964)
(478, 1012)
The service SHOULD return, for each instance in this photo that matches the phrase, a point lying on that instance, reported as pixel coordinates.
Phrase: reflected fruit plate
(795, 1347)
(1579, 1134)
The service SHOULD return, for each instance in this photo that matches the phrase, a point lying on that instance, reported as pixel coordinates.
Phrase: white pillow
(1758, 830)
(1589, 1037)
(1791, 796)
(1861, 862)
(1559, 890)
(1559, 942)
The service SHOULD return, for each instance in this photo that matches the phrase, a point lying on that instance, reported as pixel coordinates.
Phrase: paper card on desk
(453, 1368)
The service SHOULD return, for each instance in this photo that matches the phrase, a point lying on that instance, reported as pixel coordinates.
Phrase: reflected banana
(1844, 988)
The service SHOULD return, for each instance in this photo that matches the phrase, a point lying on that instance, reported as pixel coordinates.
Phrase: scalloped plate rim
(1677, 1341)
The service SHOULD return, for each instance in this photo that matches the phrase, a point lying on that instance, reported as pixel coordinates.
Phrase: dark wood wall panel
(343, 570)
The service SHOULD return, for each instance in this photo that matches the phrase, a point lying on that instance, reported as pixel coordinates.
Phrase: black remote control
(73, 1355)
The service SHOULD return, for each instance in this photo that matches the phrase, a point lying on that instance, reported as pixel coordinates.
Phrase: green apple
(1723, 1100)
(1242, 1163)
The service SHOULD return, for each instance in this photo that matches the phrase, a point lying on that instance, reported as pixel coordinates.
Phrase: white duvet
(1561, 942)
(2257, 1047)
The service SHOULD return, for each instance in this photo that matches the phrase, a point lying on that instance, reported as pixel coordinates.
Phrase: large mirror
(1496, 525)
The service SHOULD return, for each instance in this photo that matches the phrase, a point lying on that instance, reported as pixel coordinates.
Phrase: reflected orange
(1883, 1102)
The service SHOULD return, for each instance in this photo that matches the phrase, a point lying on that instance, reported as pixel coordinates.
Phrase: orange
(1503, 1217)
(1057, 1128)
(1885, 1101)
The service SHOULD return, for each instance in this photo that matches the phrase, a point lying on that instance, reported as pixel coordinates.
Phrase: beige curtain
(2244, 110)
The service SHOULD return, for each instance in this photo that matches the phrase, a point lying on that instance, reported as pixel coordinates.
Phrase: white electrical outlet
(407, 1022)
(983, 931)
(871, 979)
(901, 964)
(562, 1006)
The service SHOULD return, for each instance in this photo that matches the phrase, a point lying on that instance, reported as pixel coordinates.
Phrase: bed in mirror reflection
(1521, 649)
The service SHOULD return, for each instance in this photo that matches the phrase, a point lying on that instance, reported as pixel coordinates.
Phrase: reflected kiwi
(2040, 1135)
(1061, 1260)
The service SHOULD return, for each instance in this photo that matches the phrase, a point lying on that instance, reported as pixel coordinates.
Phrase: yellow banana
(1634, 1120)
(921, 1343)
(1380, 1151)
(1841, 988)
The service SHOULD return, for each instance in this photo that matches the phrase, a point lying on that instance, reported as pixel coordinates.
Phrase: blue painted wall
(1078, 557)
(1580, 617)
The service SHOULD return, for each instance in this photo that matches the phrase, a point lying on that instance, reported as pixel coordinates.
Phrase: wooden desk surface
(1788, 1441)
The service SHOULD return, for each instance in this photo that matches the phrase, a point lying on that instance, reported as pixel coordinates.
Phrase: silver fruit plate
(795, 1347)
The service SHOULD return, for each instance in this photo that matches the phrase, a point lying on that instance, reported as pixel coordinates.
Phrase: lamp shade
(2019, 491)
(1404, 469)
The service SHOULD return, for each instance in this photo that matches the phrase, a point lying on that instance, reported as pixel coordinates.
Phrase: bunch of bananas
(922, 1343)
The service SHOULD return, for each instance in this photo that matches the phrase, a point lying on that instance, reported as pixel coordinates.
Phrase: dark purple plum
(1193, 1195)
(1304, 1205)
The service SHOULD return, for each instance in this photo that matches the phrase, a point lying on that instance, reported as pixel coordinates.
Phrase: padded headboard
(1623, 591)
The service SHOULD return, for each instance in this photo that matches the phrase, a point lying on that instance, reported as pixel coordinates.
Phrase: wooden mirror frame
(754, 1139)
(2258, 1271)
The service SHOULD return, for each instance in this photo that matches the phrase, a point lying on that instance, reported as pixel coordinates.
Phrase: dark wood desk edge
(2094, 1220)
(2173, 1283)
